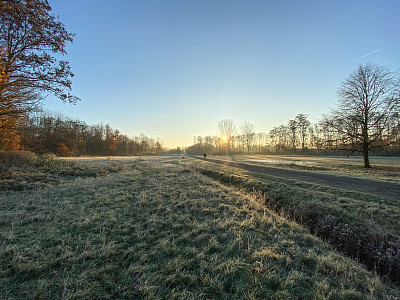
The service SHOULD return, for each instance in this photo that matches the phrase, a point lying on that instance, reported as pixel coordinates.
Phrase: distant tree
(248, 132)
(368, 98)
(261, 140)
(316, 136)
(227, 128)
(63, 150)
(9, 139)
(30, 39)
(48, 133)
(158, 147)
(302, 125)
(293, 125)
(208, 144)
(283, 138)
(111, 140)
(144, 144)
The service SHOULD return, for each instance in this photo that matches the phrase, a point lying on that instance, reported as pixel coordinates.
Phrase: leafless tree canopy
(248, 133)
(368, 99)
(302, 124)
(227, 128)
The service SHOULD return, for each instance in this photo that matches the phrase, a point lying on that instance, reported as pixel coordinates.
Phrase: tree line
(366, 119)
(49, 133)
(297, 136)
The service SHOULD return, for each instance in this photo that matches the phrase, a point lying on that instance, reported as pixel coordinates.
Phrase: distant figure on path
(205, 155)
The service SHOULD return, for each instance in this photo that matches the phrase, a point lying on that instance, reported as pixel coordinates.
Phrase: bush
(16, 156)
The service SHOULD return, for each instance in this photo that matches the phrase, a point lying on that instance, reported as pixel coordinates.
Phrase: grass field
(157, 228)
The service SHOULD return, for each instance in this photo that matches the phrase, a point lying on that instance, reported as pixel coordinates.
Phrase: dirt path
(376, 187)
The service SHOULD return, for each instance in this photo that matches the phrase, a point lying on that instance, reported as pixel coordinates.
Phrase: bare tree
(248, 133)
(293, 125)
(302, 125)
(367, 98)
(226, 129)
(279, 137)
(261, 139)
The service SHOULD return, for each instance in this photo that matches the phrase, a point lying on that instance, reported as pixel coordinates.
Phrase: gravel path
(376, 187)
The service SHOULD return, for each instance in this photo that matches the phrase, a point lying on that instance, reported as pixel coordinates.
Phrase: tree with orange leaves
(30, 37)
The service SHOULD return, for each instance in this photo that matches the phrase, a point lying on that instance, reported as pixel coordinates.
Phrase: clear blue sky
(173, 68)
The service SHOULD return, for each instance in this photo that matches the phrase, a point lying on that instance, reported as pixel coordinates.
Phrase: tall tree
(30, 39)
(367, 100)
(248, 133)
(293, 125)
(302, 125)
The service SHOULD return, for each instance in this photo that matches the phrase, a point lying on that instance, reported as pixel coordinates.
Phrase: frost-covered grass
(21, 170)
(156, 229)
(364, 226)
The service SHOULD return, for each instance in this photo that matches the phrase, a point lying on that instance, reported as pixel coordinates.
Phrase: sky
(172, 69)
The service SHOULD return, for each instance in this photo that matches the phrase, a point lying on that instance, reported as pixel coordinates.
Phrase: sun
(224, 137)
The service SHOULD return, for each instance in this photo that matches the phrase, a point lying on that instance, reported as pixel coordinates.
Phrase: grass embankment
(157, 230)
(364, 226)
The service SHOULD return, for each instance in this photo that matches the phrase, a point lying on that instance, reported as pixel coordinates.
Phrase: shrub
(16, 156)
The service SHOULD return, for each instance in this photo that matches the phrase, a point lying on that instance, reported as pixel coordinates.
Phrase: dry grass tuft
(16, 156)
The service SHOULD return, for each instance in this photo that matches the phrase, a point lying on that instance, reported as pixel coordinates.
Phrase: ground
(158, 228)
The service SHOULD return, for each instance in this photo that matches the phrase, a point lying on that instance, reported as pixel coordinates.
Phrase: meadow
(172, 227)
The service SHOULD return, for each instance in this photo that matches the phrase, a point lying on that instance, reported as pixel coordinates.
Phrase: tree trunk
(366, 157)
(365, 145)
